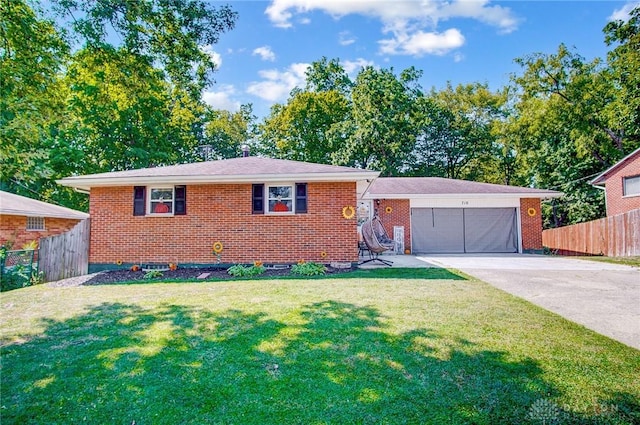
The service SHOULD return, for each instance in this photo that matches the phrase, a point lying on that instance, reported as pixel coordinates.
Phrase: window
(161, 200)
(170, 200)
(280, 199)
(631, 186)
(35, 223)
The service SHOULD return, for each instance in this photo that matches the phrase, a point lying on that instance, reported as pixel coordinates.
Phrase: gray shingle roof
(12, 204)
(420, 186)
(228, 170)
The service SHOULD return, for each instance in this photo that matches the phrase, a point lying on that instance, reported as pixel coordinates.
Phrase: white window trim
(624, 181)
(293, 198)
(32, 229)
(173, 201)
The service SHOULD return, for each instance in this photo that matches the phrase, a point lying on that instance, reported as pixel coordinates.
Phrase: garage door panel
(460, 230)
(490, 230)
(437, 230)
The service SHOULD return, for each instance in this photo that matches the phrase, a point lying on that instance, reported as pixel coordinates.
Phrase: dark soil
(117, 276)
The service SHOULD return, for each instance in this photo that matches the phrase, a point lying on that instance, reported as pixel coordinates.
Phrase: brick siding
(399, 215)
(222, 213)
(531, 224)
(616, 202)
(13, 229)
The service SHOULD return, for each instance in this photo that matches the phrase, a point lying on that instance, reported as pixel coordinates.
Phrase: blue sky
(265, 56)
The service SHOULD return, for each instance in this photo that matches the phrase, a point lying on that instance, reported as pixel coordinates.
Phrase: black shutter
(139, 200)
(258, 199)
(180, 202)
(301, 198)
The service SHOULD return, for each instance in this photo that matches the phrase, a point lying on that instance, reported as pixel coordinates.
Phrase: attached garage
(448, 216)
(464, 230)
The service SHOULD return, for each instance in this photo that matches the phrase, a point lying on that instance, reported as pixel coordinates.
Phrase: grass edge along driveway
(360, 349)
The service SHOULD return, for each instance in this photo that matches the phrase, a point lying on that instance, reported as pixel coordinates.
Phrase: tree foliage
(455, 137)
(225, 132)
(167, 33)
(31, 95)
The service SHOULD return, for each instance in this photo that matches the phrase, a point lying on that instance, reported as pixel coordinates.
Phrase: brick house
(621, 184)
(250, 209)
(23, 220)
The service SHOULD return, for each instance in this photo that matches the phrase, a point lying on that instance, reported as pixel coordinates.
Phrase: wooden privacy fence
(616, 236)
(65, 255)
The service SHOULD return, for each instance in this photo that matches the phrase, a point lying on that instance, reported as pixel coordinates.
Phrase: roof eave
(25, 213)
(87, 183)
(459, 195)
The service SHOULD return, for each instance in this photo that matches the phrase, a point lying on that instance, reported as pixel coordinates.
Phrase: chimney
(245, 150)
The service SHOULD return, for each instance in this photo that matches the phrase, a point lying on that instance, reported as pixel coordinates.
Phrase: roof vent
(245, 150)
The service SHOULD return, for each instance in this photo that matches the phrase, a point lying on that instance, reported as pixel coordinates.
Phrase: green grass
(364, 348)
(628, 261)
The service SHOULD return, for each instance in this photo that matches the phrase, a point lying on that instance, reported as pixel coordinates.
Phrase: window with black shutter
(166, 200)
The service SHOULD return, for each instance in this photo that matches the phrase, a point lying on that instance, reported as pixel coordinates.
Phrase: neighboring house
(621, 184)
(250, 209)
(440, 215)
(24, 220)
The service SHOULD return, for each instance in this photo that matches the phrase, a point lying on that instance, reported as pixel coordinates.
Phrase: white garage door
(463, 230)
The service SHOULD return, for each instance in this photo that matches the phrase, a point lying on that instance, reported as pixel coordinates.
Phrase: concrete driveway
(600, 296)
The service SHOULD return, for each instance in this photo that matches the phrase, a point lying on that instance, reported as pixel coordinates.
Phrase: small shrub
(308, 269)
(240, 270)
(152, 274)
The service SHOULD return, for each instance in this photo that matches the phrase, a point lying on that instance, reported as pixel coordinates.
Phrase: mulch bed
(117, 276)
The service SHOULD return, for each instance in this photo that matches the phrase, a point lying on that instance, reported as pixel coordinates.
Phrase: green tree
(126, 116)
(226, 132)
(455, 136)
(167, 33)
(31, 95)
(562, 134)
(301, 130)
(328, 75)
(380, 133)
(623, 111)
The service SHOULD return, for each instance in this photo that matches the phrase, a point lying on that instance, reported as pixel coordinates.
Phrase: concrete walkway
(601, 296)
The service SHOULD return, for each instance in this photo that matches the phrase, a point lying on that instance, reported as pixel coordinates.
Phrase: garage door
(464, 230)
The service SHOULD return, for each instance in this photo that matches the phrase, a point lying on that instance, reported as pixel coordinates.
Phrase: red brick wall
(616, 203)
(531, 224)
(13, 229)
(399, 215)
(223, 213)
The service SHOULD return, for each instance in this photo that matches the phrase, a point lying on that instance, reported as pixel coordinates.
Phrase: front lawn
(360, 349)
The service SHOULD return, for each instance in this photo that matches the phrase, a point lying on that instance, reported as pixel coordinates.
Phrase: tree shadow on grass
(329, 362)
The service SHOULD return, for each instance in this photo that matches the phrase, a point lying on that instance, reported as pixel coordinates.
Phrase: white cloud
(215, 56)
(276, 85)
(413, 23)
(265, 53)
(429, 12)
(353, 67)
(222, 99)
(622, 14)
(345, 38)
(420, 43)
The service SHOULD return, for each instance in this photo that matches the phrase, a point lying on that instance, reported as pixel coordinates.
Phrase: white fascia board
(461, 195)
(80, 215)
(86, 184)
